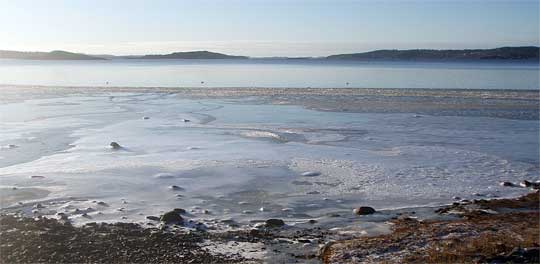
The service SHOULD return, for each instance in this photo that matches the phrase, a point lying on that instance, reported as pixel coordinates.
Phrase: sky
(265, 27)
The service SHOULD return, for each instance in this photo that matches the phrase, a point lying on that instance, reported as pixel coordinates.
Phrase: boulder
(274, 222)
(364, 210)
(171, 217)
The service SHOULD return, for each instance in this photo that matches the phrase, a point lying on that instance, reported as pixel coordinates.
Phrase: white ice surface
(232, 152)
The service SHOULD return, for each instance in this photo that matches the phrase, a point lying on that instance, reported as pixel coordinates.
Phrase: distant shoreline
(524, 53)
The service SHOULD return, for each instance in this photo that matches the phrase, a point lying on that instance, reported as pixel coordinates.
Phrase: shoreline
(272, 242)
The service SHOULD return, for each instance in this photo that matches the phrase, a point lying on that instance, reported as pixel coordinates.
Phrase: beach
(234, 158)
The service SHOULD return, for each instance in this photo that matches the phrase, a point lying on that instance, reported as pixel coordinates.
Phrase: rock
(176, 188)
(179, 210)
(243, 203)
(311, 174)
(507, 184)
(247, 212)
(38, 206)
(273, 222)
(171, 217)
(313, 192)
(312, 221)
(206, 211)
(145, 117)
(262, 209)
(287, 209)
(153, 218)
(185, 120)
(115, 145)
(456, 198)
(364, 210)
(37, 177)
(102, 203)
(525, 184)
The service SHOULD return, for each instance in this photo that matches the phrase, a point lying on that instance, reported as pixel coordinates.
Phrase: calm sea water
(272, 73)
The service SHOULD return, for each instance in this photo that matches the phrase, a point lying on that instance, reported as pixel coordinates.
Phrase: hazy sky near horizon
(264, 27)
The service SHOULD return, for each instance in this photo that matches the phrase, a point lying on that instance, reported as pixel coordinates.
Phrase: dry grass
(473, 238)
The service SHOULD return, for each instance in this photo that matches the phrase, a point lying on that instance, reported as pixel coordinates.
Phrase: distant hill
(505, 53)
(192, 55)
(53, 55)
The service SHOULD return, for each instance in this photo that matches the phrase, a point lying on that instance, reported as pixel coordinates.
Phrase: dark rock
(179, 210)
(274, 222)
(505, 183)
(312, 221)
(364, 210)
(525, 183)
(176, 188)
(153, 218)
(115, 145)
(171, 217)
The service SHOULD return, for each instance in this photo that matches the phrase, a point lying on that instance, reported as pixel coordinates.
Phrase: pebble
(185, 120)
(247, 212)
(37, 177)
(145, 117)
(102, 203)
(243, 203)
(525, 184)
(262, 209)
(287, 209)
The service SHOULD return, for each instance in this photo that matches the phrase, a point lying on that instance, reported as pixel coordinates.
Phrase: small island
(191, 55)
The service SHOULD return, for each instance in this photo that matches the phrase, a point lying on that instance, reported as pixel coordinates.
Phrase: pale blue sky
(265, 28)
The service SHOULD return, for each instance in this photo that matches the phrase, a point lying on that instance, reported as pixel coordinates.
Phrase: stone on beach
(153, 218)
(37, 177)
(115, 145)
(145, 117)
(274, 223)
(364, 210)
(179, 210)
(525, 184)
(171, 217)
